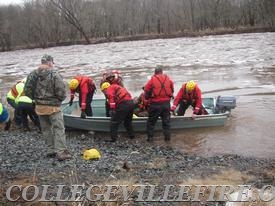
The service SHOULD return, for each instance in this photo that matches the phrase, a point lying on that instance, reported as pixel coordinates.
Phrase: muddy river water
(242, 65)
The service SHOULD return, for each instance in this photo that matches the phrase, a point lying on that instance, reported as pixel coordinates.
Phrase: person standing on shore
(47, 88)
(159, 91)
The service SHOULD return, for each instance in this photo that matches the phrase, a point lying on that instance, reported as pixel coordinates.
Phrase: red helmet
(110, 76)
(115, 71)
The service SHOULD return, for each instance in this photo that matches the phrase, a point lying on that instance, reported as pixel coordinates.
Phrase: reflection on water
(241, 65)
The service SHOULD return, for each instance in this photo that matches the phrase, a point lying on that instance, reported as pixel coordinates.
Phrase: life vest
(23, 99)
(4, 114)
(161, 86)
(85, 80)
(1, 108)
(16, 90)
(10, 96)
(120, 94)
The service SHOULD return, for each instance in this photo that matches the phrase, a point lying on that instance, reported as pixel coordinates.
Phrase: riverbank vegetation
(46, 23)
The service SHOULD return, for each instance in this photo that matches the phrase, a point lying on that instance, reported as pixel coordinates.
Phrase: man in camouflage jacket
(47, 88)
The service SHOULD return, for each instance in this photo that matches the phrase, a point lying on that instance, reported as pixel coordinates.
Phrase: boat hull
(100, 123)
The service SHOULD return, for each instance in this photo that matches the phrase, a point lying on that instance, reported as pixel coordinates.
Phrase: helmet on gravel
(105, 85)
(91, 154)
(190, 86)
(73, 84)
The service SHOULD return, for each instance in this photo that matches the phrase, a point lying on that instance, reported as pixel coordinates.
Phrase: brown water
(242, 65)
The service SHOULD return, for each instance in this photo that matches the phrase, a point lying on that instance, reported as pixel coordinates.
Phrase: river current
(242, 65)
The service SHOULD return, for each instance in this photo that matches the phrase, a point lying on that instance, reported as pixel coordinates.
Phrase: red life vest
(121, 94)
(117, 94)
(86, 84)
(161, 86)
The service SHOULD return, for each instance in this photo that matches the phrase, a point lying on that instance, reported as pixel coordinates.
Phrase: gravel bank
(22, 156)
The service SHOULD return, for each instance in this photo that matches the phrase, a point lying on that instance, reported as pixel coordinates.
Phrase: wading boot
(167, 138)
(51, 155)
(65, 155)
(150, 139)
(8, 125)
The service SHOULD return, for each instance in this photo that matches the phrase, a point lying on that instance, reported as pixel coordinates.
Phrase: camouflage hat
(46, 58)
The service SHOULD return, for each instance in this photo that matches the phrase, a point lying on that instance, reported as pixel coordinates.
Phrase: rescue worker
(26, 108)
(142, 105)
(189, 94)
(159, 91)
(47, 88)
(110, 77)
(86, 88)
(121, 108)
(16, 91)
(5, 117)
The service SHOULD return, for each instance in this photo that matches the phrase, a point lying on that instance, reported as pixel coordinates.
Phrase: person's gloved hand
(112, 112)
(196, 111)
(173, 108)
(83, 115)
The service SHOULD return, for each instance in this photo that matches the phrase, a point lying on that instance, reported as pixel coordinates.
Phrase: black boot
(167, 138)
(150, 139)
(8, 125)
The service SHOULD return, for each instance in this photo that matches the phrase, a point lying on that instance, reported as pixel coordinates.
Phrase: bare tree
(71, 10)
(42, 23)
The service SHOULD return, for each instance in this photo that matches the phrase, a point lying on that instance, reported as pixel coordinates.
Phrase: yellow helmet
(73, 84)
(91, 154)
(190, 86)
(105, 85)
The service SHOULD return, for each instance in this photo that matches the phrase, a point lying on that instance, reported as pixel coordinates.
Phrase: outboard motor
(225, 103)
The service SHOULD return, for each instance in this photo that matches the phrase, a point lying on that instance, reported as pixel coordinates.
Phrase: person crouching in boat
(5, 117)
(189, 95)
(121, 108)
(86, 88)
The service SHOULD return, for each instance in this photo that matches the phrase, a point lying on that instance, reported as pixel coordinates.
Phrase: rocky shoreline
(126, 162)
